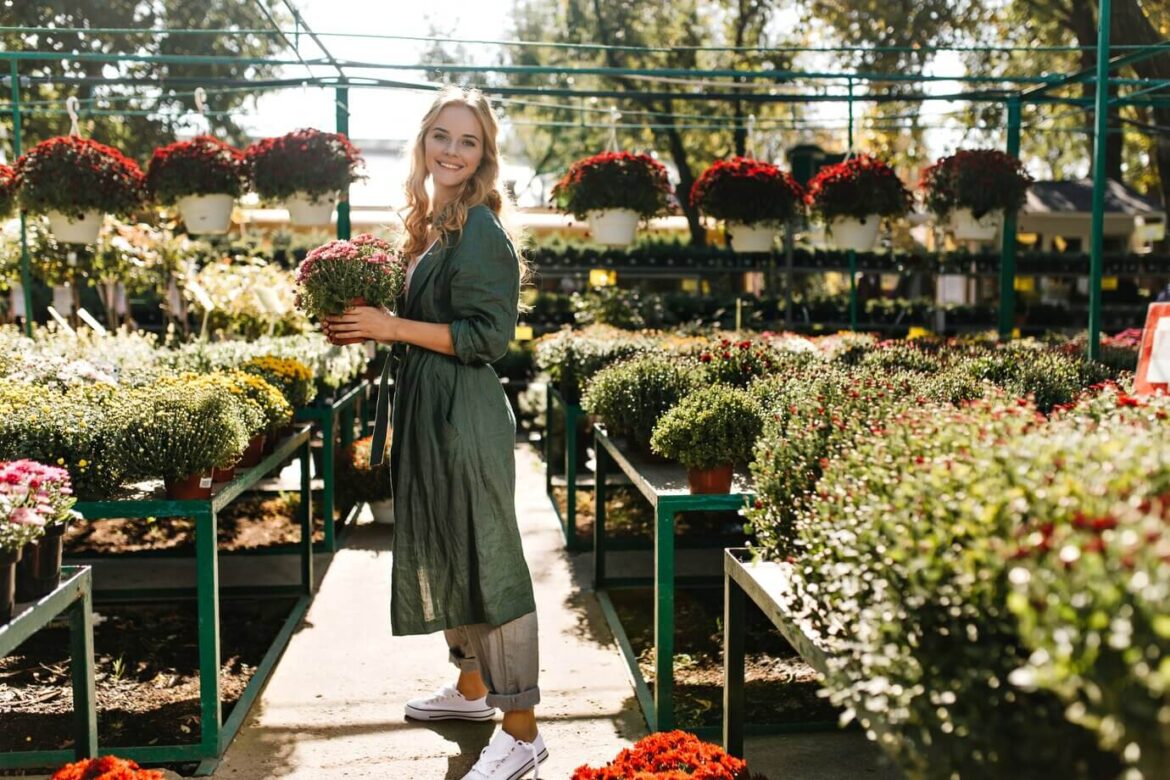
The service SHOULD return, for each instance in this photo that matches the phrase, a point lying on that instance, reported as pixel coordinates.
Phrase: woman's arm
(367, 322)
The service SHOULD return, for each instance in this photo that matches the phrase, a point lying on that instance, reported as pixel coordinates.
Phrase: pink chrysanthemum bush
(334, 275)
(33, 496)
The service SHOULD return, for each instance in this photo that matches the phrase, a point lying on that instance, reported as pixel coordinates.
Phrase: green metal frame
(667, 492)
(339, 415)
(573, 413)
(74, 599)
(758, 582)
(215, 732)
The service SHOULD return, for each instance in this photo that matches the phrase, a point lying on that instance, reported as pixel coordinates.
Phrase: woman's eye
(469, 144)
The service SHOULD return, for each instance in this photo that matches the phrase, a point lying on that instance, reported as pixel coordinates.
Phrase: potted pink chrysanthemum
(363, 271)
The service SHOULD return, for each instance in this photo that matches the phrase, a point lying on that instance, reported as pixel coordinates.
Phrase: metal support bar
(207, 566)
(1007, 255)
(663, 618)
(1101, 120)
(601, 470)
(734, 631)
(25, 260)
(341, 103)
(852, 290)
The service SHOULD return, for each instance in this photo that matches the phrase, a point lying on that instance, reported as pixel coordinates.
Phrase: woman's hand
(362, 322)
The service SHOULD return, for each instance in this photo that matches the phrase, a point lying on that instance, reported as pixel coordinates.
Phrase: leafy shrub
(741, 361)
(710, 427)
(629, 309)
(1049, 377)
(204, 165)
(571, 358)
(631, 396)
(614, 180)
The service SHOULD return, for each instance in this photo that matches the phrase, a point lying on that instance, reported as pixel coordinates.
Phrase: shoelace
(501, 757)
(535, 761)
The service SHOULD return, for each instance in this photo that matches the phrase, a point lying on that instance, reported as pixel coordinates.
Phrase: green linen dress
(457, 553)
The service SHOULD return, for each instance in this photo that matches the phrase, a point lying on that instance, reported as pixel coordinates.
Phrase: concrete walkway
(333, 706)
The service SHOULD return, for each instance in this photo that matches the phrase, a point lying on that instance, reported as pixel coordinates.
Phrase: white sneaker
(508, 758)
(448, 703)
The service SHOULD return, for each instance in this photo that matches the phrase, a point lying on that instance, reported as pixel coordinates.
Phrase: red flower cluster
(745, 190)
(982, 180)
(7, 190)
(614, 180)
(73, 175)
(738, 363)
(671, 755)
(308, 161)
(203, 166)
(106, 768)
(858, 187)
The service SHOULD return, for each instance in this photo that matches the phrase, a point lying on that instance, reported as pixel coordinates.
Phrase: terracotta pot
(224, 473)
(189, 488)
(358, 301)
(716, 480)
(8, 561)
(254, 452)
(39, 571)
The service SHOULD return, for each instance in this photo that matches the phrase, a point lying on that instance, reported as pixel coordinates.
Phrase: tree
(147, 114)
(690, 134)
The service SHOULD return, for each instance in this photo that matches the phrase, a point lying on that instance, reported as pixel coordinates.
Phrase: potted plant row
(613, 190)
(753, 198)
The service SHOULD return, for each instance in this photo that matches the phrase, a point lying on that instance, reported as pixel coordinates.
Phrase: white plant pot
(207, 215)
(613, 227)
(383, 511)
(860, 235)
(967, 228)
(751, 238)
(303, 210)
(16, 299)
(67, 230)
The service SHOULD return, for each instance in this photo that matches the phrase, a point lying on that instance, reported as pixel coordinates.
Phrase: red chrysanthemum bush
(311, 161)
(202, 166)
(74, 175)
(106, 768)
(614, 180)
(748, 191)
(7, 190)
(670, 755)
(856, 188)
(982, 180)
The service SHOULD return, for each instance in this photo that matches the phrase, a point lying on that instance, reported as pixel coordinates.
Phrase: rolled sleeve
(485, 288)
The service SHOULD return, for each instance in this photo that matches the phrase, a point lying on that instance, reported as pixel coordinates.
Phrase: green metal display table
(215, 733)
(336, 417)
(74, 598)
(665, 486)
(573, 414)
(768, 585)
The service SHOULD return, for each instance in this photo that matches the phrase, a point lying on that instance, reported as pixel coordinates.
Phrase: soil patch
(780, 687)
(146, 672)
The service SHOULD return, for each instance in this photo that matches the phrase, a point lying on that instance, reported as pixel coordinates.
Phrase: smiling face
(454, 148)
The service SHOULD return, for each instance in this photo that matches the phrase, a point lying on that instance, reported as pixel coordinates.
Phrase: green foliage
(625, 308)
(712, 426)
(571, 358)
(741, 361)
(293, 378)
(631, 396)
(1050, 378)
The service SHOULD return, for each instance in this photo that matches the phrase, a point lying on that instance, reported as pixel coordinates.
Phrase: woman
(458, 564)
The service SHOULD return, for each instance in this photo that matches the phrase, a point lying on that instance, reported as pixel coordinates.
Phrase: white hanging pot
(860, 235)
(757, 237)
(16, 299)
(967, 228)
(207, 215)
(304, 209)
(67, 229)
(613, 227)
(383, 511)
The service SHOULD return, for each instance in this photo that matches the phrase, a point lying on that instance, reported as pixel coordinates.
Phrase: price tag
(1025, 284)
(201, 296)
(598, 277)
(204, 482)
(917, 333)
(524, 333)
(61, 321)
(1108, 282)
(689, 284)
(89, 320)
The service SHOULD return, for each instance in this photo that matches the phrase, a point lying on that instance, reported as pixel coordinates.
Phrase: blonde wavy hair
(482, 187)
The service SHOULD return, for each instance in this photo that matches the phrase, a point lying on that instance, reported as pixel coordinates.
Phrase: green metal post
(852, 289)
(207, 592)
(663, 618)
(81, 668)
(849, 148)
(572, 414)
(328, 470)
(599, 517)
(734, 610)
(25, 273)
(341, 102)
(306, 518)
(1101, 121)
(1007, 253)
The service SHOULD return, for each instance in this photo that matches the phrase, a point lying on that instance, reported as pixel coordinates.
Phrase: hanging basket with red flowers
(307, 162)
(204, 165)
(859, 187)
(974, 188)
(613, 190)
(747, 191)
(7, 190)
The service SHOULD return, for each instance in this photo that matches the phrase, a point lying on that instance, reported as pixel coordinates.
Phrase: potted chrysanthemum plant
(7, 190)
(306, 169)
(47, 495)
(710, 431)
(852, 197)
(74, 181)
(752, 197)
(613, 190)
(362, 271)
(202, 178)
(973, 189)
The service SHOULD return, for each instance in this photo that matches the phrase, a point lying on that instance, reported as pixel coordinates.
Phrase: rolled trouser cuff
(508, 702)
